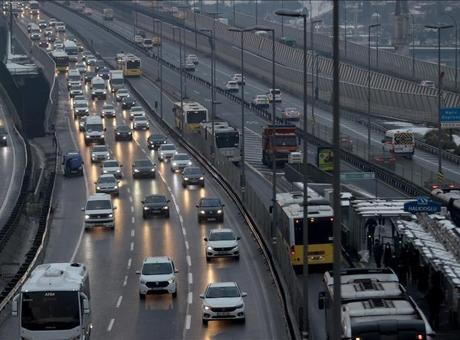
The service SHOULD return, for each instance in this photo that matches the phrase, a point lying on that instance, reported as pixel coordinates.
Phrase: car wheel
(208, 259)
(144, 216)
(237, 257)
(199, 219)
(205, 322)
(202, 185)
(243, 320)
(174, 295)
(167, 215)
(141, 296)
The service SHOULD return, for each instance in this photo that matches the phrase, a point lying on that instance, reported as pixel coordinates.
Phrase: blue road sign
(450, 117)
(423, 204)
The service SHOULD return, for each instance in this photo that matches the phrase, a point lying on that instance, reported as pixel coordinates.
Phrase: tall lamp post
(274, 215)
(180, 67)
(369, 91)
(160, 65)
(438, 28)
(297, 14)
(313, 88)
(413, 45)
(456, 46)
(242, 150)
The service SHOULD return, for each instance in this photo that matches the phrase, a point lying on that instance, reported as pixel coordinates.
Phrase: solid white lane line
(133, 220)
(189, 260)
(128, 190)
(132, 209)
(184, 231)
(119, 301)
(125, 281)
(132, 232)
(131, 248)
(190, 298)
(109, 327)
(181, 219)
(190, 278)
(129, 263)
(130, 199)
(188, 321)
(186, 245)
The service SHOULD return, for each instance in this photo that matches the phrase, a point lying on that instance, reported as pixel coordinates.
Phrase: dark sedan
(99, 65)
(127, 103)
(123, 132)
(89, 76)
(155, 205)
(192, 175)
(210, 209)
(43, 44)
(143, 168)
(154, 141)
(104, 73)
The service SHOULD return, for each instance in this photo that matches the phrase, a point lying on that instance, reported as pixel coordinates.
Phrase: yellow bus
(320, 228)
(189, 117)
(130, 64)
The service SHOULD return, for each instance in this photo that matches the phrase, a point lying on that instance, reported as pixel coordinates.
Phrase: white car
(166, 151)
(193, 58)
(140, 123)
(107, 184)
(188, 65)
(108, 111)
(80, 109)
(99, 211)
(121, 93)
(427, 83)
(222, 243)
(274, 94)
(260, 101)
(80, 66)
(136, 111)
(290, 114)
(112, 167)
(90, 60)
(232, 86)
(221, 301)
(158, 274)
(180, 161)
(100, 153)
(75, 90)
(238, 78)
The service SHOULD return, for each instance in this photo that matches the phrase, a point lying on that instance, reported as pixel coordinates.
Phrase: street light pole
(160, 65)
(456, 47)
(369, 91)
(305, 318)
(438, 28)
(313, 88)
(345, 28)
(413, 45)
(180, 68)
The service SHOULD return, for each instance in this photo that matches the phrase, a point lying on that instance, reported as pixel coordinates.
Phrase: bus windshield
(227, 139)
(42, 311)
(195, 117)
(130, 64)
(285, 141)
(319, 230)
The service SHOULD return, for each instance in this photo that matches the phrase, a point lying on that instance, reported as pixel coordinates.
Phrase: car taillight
(434, 186)
(420, 337)
(292, 250)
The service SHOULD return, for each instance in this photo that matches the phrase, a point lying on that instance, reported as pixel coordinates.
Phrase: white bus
(399, 142)
(71, 48)
(54, 303)
(226, 139)
(117, 80)
(374, 305)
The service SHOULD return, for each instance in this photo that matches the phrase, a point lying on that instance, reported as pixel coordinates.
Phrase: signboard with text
(423, 204)
(450, 117)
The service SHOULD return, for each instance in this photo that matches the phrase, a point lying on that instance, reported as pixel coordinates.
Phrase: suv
(155, 204)
(136, 111)
(107, 184)
(222, 243)
(223, 300)
(143, 168)
(192, 175)
(166, 151)
(100, 153)
(154, 141)
(108, 111)
(140, 123)
(158, 274)
(210, 208)
(260, 101)
(99, 211)
(274, 93)
(180, 161)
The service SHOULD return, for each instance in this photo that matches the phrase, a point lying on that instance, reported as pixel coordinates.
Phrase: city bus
(61, 59)
(399, 142)
(71, 48)
(54, 303)
(189, 118)
(320, 228)
(129, 64)
(226, 139)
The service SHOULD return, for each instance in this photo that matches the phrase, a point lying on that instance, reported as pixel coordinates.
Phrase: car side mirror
(83, 209)
(167, 201)
(244, 294)
(206, 239)
(201, 296)
(196, 205)
(223, 205)
(86, 307)
(383, 140)
(142, 202)
(321, 300)
(138, 272)
(95, 182)
(105, 129)
(238, 237)
(14, 306)
(121, 165)
(114, 208)
(176, 270)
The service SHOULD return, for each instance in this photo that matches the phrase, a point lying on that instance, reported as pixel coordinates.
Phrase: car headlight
(171, 280)
(201, 178)
(136, 170)
(165, 207)
(202, 212)
(110, 215)
(189, 163)
(142, 281)
(239, 306)
(219, 211)
(102, 136)
(118, 133)
(174, 164)
(153, 169)
(207, 308)
(4, 137)
(86, 217)
(161, 153)
(98, 188)
(185, 178)
(146, 208)
(105, 171)
(118, 170)
(107, 154)
(116, 186)
(210, 248)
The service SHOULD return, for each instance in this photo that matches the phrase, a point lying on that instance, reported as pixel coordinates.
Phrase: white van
(99, 211)
(98, 89)
(94, 130)
(274, 93)
(117, 80)
(73, 78)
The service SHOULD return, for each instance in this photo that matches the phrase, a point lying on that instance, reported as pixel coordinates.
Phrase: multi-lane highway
(12, 161)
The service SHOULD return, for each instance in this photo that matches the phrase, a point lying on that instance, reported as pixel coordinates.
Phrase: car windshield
(222, 236)
(107, 179)
(122, 91)
(155, 199)
(136, 108)
(81, 105)
(108, 107)
(210, 202)
(222, 292)
(157, 137)
(145, 162)
(100, 149)
(192, 171)
(140, 119)
(180, 157)
(286, 141)
(123, 128)
(168, 147)
(111, 164)
(98, 205)
(157, 268)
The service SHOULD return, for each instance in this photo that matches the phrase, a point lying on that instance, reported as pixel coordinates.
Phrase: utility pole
(369, 91)
(313, 88)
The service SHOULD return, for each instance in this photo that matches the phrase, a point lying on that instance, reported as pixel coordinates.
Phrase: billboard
(325, 158)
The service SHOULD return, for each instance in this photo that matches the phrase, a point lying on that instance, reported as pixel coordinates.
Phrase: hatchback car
(82, 124)
(104, 73)
(154, 141)
(210, 209)
(192, 175)
(112, 167)
(232, 86)
(81, 67)
(108, 111)
(166, 151)
(127, 102)
(80, 109)
(155, 205)
(158, 274)
(140, 123)
(100, 153)
(143, 168)
(136, 111)
(223, 300)
(121, 93)
(75, 90)
(123, 132)
(222, 243)
(180, 161)
(108, 184)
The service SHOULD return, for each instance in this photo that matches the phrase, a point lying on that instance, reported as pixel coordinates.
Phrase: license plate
(223, 313)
